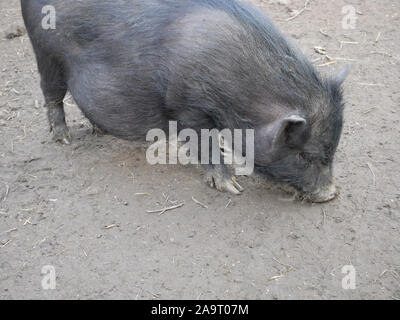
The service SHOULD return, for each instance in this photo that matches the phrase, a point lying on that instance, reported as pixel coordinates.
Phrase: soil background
(82, 208)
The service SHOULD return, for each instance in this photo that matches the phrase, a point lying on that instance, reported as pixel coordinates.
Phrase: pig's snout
(325, 194)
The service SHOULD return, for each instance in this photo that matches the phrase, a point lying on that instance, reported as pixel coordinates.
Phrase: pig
(135, 65)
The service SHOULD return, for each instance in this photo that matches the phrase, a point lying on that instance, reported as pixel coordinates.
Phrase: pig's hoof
(61, 135)
(224, 184)
(97, 131)
(325, 194)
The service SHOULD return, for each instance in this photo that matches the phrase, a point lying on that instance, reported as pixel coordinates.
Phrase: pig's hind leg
(54, 87)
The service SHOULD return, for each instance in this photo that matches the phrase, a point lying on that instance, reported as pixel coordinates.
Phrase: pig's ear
(290, 131)
(341, 77)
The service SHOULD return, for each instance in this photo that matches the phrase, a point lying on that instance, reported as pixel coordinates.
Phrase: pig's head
(298, 147)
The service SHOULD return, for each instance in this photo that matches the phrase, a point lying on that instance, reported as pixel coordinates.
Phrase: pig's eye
(305, 156)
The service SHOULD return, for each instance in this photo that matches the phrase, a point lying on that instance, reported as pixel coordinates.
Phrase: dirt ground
(83, 208)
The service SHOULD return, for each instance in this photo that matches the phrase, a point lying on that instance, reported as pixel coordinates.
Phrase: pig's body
(134, 65)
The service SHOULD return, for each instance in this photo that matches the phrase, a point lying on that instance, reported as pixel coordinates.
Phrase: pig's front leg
(219, 176)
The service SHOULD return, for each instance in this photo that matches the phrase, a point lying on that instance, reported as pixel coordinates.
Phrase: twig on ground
(7, 192)
(288, 269)
(162, 211)
(283, 264)
(3, 245)
(369, 110)
(281, 275)
(11, 230)
(114, 225)
(324, 33)
(372, 171)
(299, 12)
(370, 84)
(347, 42)
(323, 217)
(327, 63)
(199, 203)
